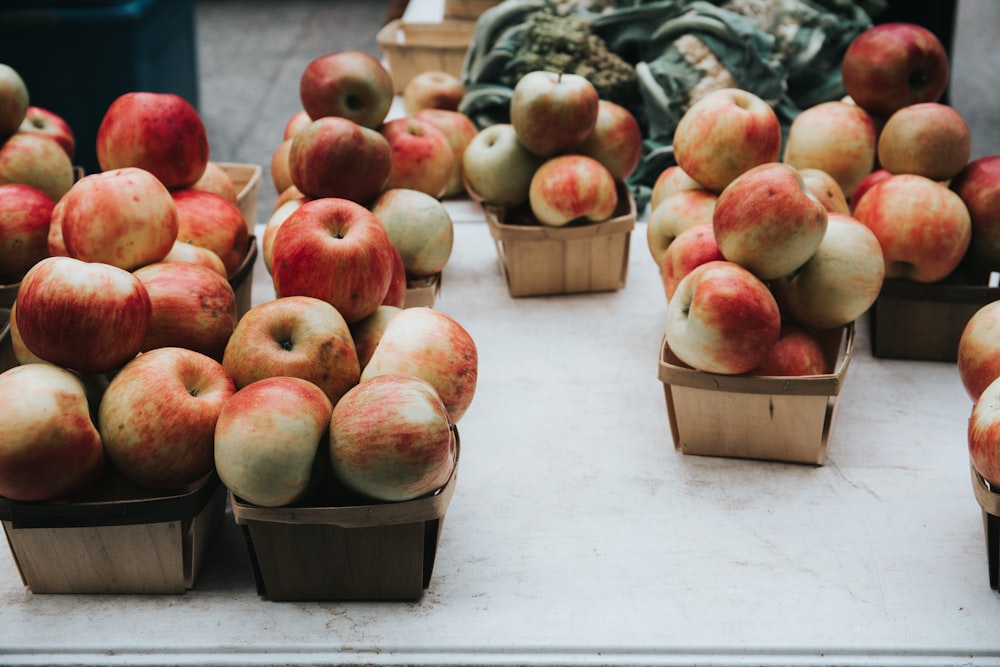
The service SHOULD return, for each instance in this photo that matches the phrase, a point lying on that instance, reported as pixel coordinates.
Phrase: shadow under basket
(756, 417)
(381, 551)
(989, 500)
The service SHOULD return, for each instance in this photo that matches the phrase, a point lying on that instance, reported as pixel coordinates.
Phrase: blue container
(77, 57)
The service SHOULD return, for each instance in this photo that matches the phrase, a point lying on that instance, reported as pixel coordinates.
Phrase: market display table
(578, 535)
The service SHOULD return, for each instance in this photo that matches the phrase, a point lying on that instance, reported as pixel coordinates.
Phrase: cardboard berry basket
(422, 291)
(989, 500)
(379, 551)
(467, 9)
(115, 538)
(740, 416)
(538, 260)
(246, 178)
(411, 47)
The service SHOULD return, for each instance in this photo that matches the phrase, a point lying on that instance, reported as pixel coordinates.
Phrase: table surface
(578, 534)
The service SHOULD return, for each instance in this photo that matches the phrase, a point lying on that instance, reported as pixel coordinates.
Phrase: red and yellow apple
(337, 157)
(348, 84)
(25, 214)
(572, 187)
(552, 112)
(422, 156)
(837, 137)
(432, 89)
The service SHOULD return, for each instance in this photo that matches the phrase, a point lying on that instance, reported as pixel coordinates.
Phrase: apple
(422, 157)
(552, 112)
(289, 194)
(767, 220)
(368, 332)
(686, 208)
(268, 439)
(158, 414)
(841, 280)
(615, 141)
(866, 183)
(124, 217)
(725, 133)
(50, 124)
(297, 121)
(297, 336)
(35, 159)
(205, 219)
(837, 137)
(929, 138)
(978, 358)
(797, 352)
(25, 213)
(334, 250)
(336, 157)
(349, 84)
(692, 247)
(275, 221)
(188, 252)
(215, 179)
(13, 100)
(398, 284)
(978, 184)
(826, 189)
(984, 434)
(923, 227)
(193, 307)
(57, 248)
(432, 89)
(433, 346)
(459, 130)
(722, 319)
(572, 187)
(419, 227)
(159, 132)
(669, 181)
(892, 65)
(21, 352)
(281, 169)
(391, 439)
(86, 316)
(497, 168)
(49, 445)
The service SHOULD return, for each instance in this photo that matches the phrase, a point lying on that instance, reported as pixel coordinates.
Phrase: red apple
(390, 439)
(572, 187)
(978, 357)
(691, 248)
(49, 446)
(866, 183)
(797, 352)
(268, 438)
(892, 65)
(722, 319)
(50, 124)
(768, 221)
(368, 332)
(432, 89)
(217, 180)
(553, 113)
(422, 157)
(86, 316)
(978, 184)
(724, 134)
(682, 210)
(193, 254)
(37, 160)
(159, 132)
(205, 219)
(281, 168)
(334, 250)
(497, 168)
(923, 227)
(459, 130)
(349, 84)
(297, 336)
(13, 100)
(419, 227)
(158, 414)
(930, 139)
(124, 217)
(398, 284)
(616, 140)
(984, 434)
(193, 307)
(669, 181)
(25, 213)
(433, 346)
(336, 157)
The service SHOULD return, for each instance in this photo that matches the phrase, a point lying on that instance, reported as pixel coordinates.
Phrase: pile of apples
(341, 146)
(873, 186)
(562, 154)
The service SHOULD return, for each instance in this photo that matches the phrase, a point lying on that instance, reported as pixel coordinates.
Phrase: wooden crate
(410, 48)
(382, 551)
(115, 538)
(246, 178)
(989, 500)
(422, 292)
(467, 9)
(741, 416)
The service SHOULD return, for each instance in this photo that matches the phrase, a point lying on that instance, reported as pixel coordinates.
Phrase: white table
(578, 535)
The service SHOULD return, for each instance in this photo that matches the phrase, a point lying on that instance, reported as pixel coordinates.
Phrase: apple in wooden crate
(159, 132)
(158, 414)
(49, 123)
(49, 445)
(14, 100)
(691, 248)
(930, 139)
(572, 187)
(422, 156)
(268, 440)
(552, 112)
(37, 160)
(337, 157)
(796, 352)
(349, 84)
(25, 214)
(497, 168)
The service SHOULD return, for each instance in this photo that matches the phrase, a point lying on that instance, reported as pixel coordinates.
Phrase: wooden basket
(773, 418)
(422, 292)
(410, 48)
(989, 500)
(246, 178)
(467, 9)
(536, 260)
